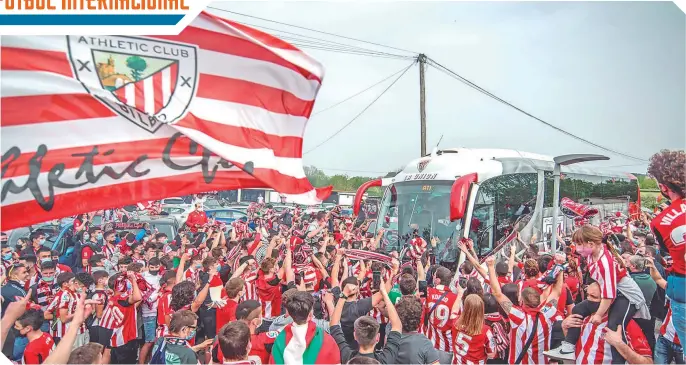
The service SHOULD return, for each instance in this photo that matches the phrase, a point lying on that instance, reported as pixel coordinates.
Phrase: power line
(314, 30)
(358, 93)
(319, 41)
(453, 74)
(363, 110)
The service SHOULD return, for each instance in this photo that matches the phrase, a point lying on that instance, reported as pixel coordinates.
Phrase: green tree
(137, 65)
(647, 183)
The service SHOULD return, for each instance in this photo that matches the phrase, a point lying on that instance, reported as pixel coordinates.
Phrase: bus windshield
(422, 207)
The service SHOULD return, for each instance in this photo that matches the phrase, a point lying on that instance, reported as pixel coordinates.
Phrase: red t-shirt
(670, 230)
(270, 295)
(86, 253)
(38, 350)
(472, 349)
(226, 314)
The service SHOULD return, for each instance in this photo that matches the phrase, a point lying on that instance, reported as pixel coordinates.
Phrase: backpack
(76, 257)
(158, 357)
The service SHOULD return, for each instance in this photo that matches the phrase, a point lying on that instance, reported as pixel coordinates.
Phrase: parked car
(178, 212)
(225, 215)
(50, 229)
(173, 201)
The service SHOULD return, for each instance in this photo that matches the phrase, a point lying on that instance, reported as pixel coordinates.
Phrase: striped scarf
(364, 255)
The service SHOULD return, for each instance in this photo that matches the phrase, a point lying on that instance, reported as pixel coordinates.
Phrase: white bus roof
(449, 164)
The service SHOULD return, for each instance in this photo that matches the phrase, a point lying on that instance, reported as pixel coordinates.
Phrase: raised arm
(511, 262)
(182, 264)
(504, 302)
(320, 267)
(393, 318)
(135, 291)
(659, 280)
(614, 338)
(473, 259)
(336, 269)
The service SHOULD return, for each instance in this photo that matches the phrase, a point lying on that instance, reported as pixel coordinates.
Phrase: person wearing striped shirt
(44, 291)
(523, 317)
(596, 340)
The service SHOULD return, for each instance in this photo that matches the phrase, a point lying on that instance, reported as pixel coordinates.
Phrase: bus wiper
(409, 223)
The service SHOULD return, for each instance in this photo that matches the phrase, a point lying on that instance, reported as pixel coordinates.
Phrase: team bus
(493, 196)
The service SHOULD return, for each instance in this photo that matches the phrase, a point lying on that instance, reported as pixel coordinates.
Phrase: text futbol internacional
(95, 5)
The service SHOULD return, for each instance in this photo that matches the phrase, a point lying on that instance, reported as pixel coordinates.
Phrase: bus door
(482, 230)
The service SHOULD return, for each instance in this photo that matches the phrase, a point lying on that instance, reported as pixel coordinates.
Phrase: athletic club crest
(150, 82)
(422, 165)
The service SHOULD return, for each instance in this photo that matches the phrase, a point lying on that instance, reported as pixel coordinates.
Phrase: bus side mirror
(360, 194)
(459, 194)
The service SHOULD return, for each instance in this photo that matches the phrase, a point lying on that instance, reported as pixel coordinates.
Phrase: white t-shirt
(154, 281)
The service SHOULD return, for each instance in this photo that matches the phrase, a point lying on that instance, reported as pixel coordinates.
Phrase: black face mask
(154, 272)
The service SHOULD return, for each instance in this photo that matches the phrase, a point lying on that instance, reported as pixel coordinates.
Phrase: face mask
(191, 335)
(45, 260)
(79, 290)
(584, 251)
(99, 236)
(154, 272)
(48, 279)
(42, 241)
(165, 240)
(219, 267)
(98, 268)
(86, 237)
(129, 243)
(197, 266)
(7, 256)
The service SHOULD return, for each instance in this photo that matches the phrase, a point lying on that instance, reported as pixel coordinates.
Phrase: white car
(178, 212)
(173, 201)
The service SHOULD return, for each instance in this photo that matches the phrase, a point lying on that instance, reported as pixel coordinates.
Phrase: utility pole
(422, 102)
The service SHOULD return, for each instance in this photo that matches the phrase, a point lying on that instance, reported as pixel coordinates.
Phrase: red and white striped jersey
(469, 350)
(108, 251)
(126, 329)
(376, 314)
(440, 326)
(64, 299)
(250, 278)
(522, 322)
(100, 296)
(667, 329)
(112, 316)
(592, 348)
(163, 310)
(607, 273)
(191, 275)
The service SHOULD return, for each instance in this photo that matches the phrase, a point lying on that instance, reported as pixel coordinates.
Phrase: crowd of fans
(293, 288)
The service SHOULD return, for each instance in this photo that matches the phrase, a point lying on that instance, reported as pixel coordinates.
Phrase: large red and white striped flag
(93, 122)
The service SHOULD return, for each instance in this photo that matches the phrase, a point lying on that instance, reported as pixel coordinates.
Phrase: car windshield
(212, 204)
(173, 210)
(174, 201)
(419, 207)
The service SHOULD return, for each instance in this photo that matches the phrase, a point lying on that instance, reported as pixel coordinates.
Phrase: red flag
(93, 122)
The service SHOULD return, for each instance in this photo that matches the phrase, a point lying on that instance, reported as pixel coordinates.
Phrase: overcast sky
(613, 73)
